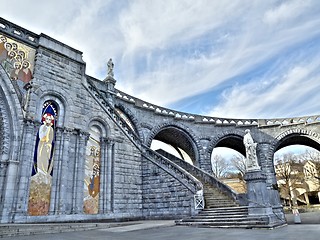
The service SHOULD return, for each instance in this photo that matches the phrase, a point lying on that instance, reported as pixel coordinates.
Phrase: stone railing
(16, 31)
(185, 177)
(182, 115)
(289, 121)
(203, 176)
(113, 113)
(215, 120)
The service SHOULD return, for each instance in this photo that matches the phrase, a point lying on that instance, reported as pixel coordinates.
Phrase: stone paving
(306, 232)
(162, 230)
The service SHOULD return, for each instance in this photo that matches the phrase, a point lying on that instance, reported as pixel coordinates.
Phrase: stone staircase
(222, 205)
(225, 217)
(214, 198)
(223, 211)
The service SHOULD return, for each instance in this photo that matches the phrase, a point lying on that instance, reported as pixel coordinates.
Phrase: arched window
(92, 172)
(41, 177)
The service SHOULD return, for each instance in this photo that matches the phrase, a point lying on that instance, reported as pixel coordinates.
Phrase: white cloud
(286, 95)
(166, 51)
(286, 11)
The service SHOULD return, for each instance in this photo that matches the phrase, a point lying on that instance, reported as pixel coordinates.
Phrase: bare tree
(289, 174)
(220, 166)
(239, 163)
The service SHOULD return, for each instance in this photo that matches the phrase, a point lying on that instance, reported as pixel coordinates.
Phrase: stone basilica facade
(74, 148)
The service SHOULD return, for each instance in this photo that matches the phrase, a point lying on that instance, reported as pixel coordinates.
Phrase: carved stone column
(64, 172)
(103, 176)
(204, 161)
(57, 155)
(266, 155)
(25, 167)
(82, 139)
(8, 194)
(110, 175)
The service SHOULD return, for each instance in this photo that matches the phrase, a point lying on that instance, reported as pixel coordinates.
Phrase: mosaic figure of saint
(91, 185)
(3, 50)
(45, 142)
(41, 178)
(17, 60)
(24, 73)
(15, 71)
(46, 135)
(8, 63)
(94, 185)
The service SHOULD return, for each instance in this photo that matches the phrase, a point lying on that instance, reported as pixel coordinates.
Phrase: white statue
(110, 67)
(251, 152)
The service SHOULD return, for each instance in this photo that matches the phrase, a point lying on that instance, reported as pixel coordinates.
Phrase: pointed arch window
(41, 176)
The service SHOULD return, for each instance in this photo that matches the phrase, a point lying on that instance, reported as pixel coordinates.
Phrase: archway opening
(176, 142)
(297, 168)
(177, 152)
(228, 162)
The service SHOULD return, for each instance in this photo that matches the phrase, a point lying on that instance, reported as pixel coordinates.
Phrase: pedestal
(258, 199)
(110, 92)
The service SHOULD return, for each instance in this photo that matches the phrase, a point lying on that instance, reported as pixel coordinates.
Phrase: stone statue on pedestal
(251, 152)
(110, 67)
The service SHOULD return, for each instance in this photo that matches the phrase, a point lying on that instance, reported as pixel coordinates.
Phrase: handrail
(202, 175)
(178, 170)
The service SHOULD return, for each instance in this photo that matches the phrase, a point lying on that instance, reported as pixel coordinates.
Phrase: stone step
(227, 209)
(212, 206)
(228, 217)
(245, 224)
(203, 216)
(206, 213)
(216, 198)
(213, 192)
(218, 201)
(225, 219)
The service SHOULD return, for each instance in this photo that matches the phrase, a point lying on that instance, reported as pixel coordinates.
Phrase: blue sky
(242, 59)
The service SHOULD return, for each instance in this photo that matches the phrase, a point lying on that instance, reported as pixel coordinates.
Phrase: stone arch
(95, 165)
(101, 125)
(61, 100)
(11, 119)
(189, 142)
(291, 137)
(297, 136)
(131, 117)
(230, 138)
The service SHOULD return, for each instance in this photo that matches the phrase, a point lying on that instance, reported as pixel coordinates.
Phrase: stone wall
(125, 182)
(163, 195)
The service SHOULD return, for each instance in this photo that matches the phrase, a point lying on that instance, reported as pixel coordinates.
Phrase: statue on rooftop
(110, 67)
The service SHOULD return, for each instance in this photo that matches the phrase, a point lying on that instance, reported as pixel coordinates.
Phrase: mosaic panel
(92, 173)
(41, 177)
(17, 59)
